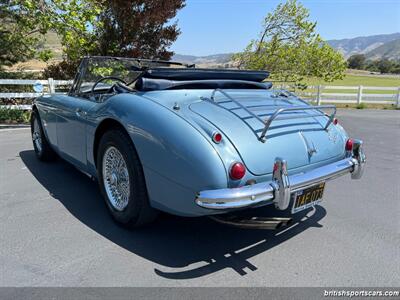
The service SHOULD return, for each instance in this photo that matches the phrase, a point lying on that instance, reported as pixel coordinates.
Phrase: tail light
(349, 145)
(237, 171)
(217, 137)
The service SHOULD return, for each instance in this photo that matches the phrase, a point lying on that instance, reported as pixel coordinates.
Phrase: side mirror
(38, 87)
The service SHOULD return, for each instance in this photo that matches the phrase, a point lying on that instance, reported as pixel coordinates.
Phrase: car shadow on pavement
(185, 247)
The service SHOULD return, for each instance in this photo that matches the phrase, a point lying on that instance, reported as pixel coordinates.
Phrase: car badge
(311, 149)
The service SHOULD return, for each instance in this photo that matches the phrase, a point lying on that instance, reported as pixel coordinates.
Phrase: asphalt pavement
(55, 229)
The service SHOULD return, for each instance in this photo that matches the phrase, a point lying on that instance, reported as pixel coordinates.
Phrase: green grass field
(356, 80)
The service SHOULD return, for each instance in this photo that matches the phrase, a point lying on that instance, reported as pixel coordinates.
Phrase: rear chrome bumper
(278, 190)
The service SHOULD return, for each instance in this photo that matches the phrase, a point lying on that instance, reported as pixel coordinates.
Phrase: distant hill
(374, 47)
(50, 42)
(366, 44)
(389, 50)
(214, 60)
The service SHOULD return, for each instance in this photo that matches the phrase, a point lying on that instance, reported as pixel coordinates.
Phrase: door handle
(79, 112)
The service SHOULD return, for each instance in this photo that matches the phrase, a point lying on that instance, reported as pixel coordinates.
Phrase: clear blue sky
(221, 26)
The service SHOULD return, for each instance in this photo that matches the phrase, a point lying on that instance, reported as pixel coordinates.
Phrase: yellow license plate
(308, 197)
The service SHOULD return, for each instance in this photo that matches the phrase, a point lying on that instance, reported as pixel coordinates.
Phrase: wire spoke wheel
(116, 178)
(122, 181)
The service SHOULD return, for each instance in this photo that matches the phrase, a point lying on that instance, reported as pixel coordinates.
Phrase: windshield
(127, 70)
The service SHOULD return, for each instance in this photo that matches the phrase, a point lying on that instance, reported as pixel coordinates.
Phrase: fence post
(52, 87)
(359, 95)
(319, 95)
(398, 98)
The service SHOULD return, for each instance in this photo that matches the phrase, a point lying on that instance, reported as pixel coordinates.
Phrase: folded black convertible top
(205, 74)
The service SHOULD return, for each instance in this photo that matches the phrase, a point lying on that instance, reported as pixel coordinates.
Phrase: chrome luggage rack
(271, 116)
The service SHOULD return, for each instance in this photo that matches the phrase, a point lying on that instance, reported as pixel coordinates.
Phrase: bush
(64, 70)
(361, 106)
(8, 115)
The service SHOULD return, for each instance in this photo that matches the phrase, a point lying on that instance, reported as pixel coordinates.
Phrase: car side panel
(71, 128)
(177, 160)
(64, 127)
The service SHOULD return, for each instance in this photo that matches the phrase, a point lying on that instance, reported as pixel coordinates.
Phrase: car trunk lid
(301, 140)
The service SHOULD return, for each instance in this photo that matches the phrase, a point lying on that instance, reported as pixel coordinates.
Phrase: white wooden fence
(50, 86)
(320, 95)
(361, 94)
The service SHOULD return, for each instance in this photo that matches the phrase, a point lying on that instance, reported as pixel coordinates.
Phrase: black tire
(138, 211)
(44, 152)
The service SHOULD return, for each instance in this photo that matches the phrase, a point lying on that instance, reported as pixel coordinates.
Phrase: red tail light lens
(335, 121)
(237, 171)
(349, 145)
(275, 167)
(217, 138)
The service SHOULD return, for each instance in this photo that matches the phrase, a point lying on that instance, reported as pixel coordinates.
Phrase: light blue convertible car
(165, 136)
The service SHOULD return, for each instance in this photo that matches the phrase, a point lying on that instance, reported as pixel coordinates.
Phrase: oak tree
(356, 61)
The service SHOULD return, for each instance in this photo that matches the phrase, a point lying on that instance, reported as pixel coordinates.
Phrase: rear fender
(169, 147)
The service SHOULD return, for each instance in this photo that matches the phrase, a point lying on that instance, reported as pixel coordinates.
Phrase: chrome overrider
(279, 190)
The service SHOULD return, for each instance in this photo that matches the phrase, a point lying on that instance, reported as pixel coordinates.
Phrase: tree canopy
(139, 28)
(383, 65)
(290, 48)
(24, 24)
(18, 33)
(356, 61)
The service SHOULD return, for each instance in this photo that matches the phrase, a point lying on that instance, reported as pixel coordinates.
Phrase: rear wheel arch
(104, 126)
(34, 110)
(34, 115)
(111, 134)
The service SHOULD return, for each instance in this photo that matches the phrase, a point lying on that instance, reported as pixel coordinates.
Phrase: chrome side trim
(278, 190)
